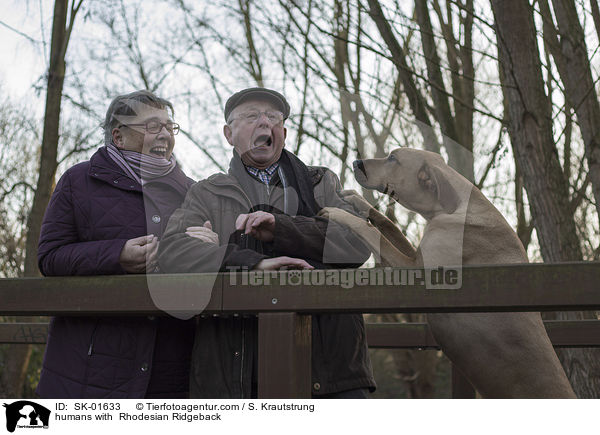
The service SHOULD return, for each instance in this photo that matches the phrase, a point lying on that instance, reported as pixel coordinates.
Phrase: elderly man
(264, 211)
(105, 217)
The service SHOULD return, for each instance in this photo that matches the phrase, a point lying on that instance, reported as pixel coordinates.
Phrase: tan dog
(502, 354)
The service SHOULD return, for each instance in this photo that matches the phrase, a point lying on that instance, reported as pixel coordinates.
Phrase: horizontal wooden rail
(23, 333)
(562, 333)
(522, 287)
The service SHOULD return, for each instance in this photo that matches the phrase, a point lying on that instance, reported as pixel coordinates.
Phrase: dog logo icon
(26, 414)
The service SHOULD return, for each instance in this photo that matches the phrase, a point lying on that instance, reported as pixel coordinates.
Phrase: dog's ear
(433, 179)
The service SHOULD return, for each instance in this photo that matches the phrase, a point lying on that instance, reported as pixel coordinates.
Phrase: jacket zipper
(268, 194)
(91, 347)
(242, 358)
(239, 189)
(284, 188)
(87, 366)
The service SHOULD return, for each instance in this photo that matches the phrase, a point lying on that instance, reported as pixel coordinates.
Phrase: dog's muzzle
(359, 170)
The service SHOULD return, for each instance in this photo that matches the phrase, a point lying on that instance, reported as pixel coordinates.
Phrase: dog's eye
(392, 158)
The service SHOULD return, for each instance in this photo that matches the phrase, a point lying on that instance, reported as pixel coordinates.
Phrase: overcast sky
(23, 58)
(25, 31)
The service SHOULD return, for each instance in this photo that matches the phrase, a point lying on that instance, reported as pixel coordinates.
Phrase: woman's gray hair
(127, 105)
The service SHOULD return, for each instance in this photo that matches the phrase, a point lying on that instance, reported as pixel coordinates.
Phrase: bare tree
(460, 63)
(569, 50)
(439, 93)
(61, 33)
(17, 164)
(417, 101)
(530, 128)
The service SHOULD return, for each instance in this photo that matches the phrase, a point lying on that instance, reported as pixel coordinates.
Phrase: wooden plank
(520, 287)
(562, 333)
(284, 356)
(180, 295)
(23, 333)
(574, 333)
(400, 336)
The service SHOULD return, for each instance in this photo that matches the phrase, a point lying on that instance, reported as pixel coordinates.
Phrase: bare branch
(203, 150)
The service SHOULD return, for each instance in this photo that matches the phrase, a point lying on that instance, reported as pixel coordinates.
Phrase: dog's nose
(359, 166)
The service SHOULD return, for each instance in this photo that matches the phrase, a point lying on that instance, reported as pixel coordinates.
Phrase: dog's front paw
(343, 217)
(334, 214)
(326, 212)
(360, 204)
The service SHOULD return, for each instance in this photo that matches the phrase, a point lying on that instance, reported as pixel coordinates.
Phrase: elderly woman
(106, 217)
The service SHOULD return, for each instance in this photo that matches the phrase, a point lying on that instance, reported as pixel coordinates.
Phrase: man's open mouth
(159, 151)
(263, 140)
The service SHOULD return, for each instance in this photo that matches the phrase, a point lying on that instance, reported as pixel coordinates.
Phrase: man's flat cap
(257, 94)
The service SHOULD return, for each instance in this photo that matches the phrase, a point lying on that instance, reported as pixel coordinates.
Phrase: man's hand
(260, 225)
(204, 233)
(282, 263)
(139, 252)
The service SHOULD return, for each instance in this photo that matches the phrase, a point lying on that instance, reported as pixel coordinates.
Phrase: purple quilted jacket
(93, 211)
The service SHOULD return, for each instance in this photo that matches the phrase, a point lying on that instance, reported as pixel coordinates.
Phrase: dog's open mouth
(387, 190)
(159, 151)
(263, 140)
(359, 172)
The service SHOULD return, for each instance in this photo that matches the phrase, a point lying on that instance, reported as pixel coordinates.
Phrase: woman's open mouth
(159, 151)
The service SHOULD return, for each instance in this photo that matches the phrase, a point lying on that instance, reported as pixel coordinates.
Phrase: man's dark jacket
(224, 354)
(93, 211)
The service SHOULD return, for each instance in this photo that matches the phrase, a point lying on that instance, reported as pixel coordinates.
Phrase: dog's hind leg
(504, 355)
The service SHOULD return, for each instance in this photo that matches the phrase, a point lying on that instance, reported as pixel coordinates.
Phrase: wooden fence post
(284, 356)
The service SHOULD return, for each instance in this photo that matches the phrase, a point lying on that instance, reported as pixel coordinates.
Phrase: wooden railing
(284, 309)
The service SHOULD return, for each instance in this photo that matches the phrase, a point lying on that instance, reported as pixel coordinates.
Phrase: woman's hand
(139, 254)
(204, 233)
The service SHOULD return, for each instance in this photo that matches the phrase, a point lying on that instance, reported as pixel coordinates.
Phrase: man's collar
(264, 175)
(270, 170)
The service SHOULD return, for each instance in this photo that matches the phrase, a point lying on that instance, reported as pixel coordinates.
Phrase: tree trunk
(531, 131)
(464, 85)
(530, 127)
(458, 157)
(524, 228)
(254, 65)
(340, 48)
(14, 359)
(460, 63)
(596, 16)
(571, 57)
(49, 151)
(415, 99)
(48, 162)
